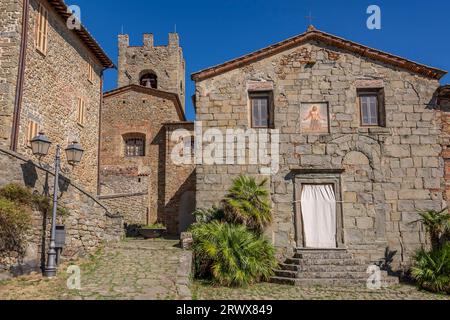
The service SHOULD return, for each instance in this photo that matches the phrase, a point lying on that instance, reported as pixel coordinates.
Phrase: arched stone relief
(364, 197)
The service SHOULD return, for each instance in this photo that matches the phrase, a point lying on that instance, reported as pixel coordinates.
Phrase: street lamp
(40, 146)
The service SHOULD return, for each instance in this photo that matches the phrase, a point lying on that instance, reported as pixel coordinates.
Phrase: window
(134, 147)
(149, 80)
(42, 29)
(81, 111)
(371, 103)
(32, 131)
(90, 71)
(260, 110)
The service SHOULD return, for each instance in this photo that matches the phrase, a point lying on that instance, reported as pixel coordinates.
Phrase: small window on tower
(149, 80)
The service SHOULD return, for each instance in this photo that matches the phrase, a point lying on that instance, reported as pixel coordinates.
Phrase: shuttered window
(32, 131)
(260, 110)
(372, 107)
(81, 114)
(42, 29)
(90, 71)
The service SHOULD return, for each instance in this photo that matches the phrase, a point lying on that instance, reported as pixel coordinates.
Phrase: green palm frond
(231, 255)
(247, 202)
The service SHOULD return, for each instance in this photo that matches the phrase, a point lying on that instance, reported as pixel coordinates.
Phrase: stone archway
(364, 206)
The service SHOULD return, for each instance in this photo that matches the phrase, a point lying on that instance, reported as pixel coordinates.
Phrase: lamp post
(40, 146)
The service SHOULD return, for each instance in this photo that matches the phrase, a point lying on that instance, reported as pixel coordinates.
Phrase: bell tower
(159, 67)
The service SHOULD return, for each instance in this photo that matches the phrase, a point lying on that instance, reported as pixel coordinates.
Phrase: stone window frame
(318, 177)
(378, 92)
(41, 29)
(268, 94)
(134, 136)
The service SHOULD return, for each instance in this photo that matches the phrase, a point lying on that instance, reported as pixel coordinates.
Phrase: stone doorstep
(326, 267)
(326, 274)
(330, 282)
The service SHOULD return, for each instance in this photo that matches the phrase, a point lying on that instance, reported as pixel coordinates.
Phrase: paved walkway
(151, 270)
(133, 269)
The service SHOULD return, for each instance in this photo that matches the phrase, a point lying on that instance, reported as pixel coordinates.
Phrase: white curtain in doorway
(319, 216)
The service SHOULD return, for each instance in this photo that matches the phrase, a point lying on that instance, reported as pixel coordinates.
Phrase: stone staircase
(326, 267)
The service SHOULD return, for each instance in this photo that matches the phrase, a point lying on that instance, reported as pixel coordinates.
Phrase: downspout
(99, 133)
(20, 77)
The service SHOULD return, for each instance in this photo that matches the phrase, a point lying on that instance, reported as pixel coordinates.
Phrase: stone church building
(357, 124)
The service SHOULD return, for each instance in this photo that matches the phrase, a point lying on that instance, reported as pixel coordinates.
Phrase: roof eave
(335, 41)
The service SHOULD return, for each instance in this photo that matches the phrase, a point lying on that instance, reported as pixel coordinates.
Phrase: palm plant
(208, 215)
(231, 255)
(432, 269)
(247, 203)
(437, 224)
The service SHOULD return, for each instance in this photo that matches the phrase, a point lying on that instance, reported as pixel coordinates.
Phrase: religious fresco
(314, 118)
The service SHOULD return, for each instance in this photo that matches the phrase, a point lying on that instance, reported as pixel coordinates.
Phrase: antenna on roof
(310, 19)
(175, 27)
(122, 29)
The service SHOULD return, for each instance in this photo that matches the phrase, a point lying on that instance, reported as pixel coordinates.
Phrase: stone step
(325, 275)
(324, 268)
(323, 255)
(312, 261)
(329, 282)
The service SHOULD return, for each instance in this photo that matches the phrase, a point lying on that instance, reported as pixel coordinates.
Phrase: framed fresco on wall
(314, 118)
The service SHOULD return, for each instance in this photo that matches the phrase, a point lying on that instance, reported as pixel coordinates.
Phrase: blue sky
(212, 32)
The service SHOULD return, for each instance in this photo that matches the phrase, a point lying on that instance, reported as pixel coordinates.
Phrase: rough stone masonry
(383, 174)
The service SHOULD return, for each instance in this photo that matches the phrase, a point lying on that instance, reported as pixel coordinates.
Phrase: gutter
(20, 76)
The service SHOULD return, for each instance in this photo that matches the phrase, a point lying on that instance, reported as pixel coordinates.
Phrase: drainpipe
(99, 132)
(20, 77)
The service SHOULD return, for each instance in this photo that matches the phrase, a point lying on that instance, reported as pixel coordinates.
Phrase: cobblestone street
(143, 270)
(149, 270)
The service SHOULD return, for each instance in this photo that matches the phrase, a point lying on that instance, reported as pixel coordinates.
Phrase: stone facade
(10, 30)
(166, 62)
(89, 224)
(384, 174)
(443, 100)
(151, 179)
(52, 84)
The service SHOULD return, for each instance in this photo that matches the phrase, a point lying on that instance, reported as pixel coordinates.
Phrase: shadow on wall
(175, 213)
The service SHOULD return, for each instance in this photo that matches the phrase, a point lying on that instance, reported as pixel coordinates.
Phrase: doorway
(318, 209)
(318, 204)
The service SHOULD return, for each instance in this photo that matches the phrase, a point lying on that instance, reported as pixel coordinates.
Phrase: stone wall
(390, 172)
(444, 106)
(166, 62)
(89, 224)
(143, 112)
(53, 84)
(133, 206)
(179, 182)
(10, 31)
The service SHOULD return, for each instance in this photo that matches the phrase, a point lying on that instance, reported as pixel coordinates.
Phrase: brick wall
(141, 111)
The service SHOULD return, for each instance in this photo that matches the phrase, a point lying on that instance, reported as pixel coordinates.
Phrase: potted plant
(152, 231)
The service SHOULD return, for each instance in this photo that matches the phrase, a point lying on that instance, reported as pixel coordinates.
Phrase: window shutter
(381, 108)
(42, 29)
(32, 131)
